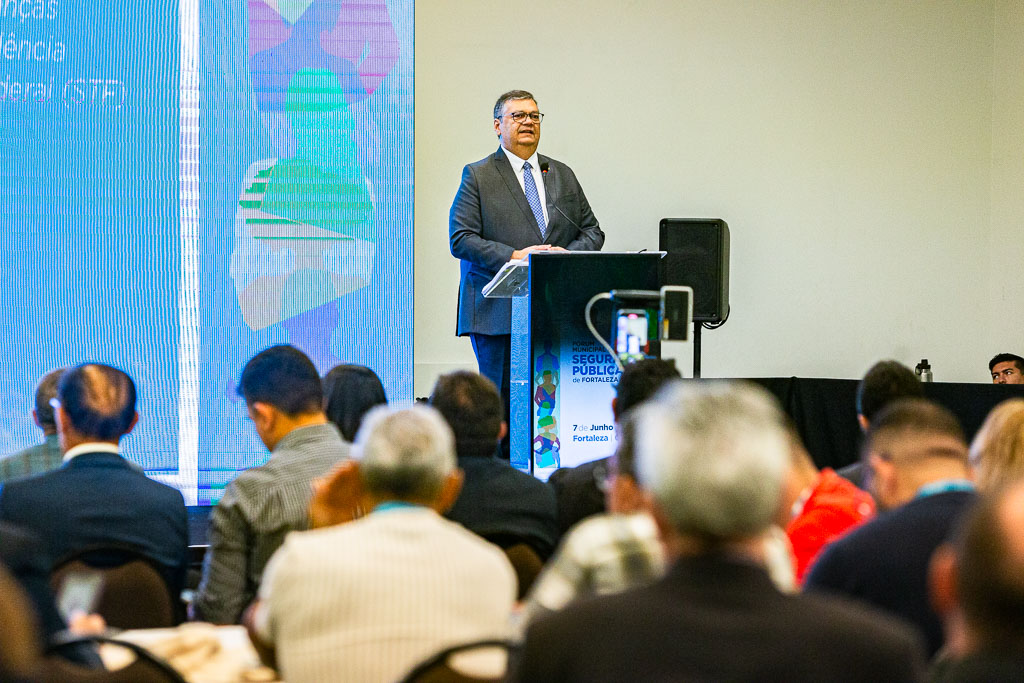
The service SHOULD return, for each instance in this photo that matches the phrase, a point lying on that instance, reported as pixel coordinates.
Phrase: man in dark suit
(497, 502)
(510, 204)
(96, 497)
(920, 476)
(712, 457)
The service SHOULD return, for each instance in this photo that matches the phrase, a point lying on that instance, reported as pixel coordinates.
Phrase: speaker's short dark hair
(471, 405)
(885, 382)
(350, 391)
(641, 380)
(1006, 358)
(46, 390)
(282, 376)
(990, 576)
(99, 400)
(511, 95)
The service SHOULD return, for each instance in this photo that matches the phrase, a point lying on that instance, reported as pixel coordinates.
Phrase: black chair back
(134, 592)
(146, 667)
(444, 668)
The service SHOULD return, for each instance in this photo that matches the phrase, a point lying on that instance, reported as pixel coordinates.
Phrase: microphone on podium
(544, 172)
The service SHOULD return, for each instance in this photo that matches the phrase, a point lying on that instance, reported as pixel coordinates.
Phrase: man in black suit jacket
(920, 477)
(96, 497)
(492, 221)
(497, 501)
(713, 459)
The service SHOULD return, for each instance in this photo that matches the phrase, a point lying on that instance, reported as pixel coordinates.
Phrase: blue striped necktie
(533, 198)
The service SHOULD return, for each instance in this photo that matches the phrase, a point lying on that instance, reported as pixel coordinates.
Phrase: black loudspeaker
(697, 256)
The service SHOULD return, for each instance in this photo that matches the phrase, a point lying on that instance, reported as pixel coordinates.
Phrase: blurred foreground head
(913, 442)
(471, 405)
(712, 456)
(408, 455)
(886, 381)
(977, 581)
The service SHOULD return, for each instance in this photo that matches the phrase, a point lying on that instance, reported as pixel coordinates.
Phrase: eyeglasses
(520, 116)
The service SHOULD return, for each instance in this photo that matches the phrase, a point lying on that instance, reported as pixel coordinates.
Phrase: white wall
(1007, 243)
(848, 145)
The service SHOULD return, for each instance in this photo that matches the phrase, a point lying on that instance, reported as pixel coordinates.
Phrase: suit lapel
(509, 176)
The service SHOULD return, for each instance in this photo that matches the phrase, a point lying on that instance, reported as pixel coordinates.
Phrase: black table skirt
(825, 411)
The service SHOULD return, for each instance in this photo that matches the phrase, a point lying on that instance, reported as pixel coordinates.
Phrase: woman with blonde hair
(997, 452)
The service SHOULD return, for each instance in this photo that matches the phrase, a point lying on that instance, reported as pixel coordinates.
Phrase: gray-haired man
(369, 599)
(712, 457)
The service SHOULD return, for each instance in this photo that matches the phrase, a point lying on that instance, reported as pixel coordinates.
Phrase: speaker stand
(696, 348)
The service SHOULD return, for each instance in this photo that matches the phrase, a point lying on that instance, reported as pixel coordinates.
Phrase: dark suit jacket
(885, 562)
(717, 619)
(579, 492)
(97, 498)
(490, 218)
(505, 505)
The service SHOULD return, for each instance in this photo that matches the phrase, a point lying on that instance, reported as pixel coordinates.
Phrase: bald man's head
(98, 401)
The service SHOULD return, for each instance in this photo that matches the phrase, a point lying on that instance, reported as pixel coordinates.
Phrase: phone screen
(632, 338)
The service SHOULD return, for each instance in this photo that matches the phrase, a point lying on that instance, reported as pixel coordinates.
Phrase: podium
(562, 379)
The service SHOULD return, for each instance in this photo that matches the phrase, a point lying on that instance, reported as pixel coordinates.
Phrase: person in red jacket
(818, 506)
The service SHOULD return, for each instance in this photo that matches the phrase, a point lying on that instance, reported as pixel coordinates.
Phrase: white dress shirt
(538, 178)
(92, 447)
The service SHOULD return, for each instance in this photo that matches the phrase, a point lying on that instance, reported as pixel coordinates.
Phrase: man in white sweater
(369, 599)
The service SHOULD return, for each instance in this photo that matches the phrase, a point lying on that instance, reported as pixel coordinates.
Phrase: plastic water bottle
(924, 371)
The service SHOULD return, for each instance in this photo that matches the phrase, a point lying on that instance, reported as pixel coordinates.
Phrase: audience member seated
(369, 599)
(713, 457)
(997, 452)
(284, 397)
(1006, 368)
(885, 382)
(26, 558)
(978, 587)
(605, 553)
(921, 478)
(581, 490)
(818, 506)
(97, 498)
(498, 502)
(44, 456)
(350, 391)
